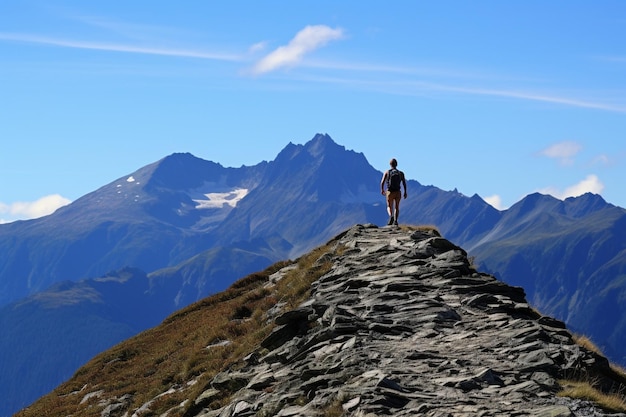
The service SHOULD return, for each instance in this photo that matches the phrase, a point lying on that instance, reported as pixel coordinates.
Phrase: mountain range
(379, 321)
(120, 259)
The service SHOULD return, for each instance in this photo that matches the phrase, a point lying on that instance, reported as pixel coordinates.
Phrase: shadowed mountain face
(392, 322)
(169, 211)
(190, 227)
(141, 220)
(570, 257)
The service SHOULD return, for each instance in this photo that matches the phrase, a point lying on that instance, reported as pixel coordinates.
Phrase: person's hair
(393, 162)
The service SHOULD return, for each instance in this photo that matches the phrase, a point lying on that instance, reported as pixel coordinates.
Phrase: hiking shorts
(394, 196)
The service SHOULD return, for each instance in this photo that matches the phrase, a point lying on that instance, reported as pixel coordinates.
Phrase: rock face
(402, 325)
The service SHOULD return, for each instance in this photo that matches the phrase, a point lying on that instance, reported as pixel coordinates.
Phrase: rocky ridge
(403, 325)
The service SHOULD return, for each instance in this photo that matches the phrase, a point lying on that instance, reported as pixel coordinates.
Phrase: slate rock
(401, 325)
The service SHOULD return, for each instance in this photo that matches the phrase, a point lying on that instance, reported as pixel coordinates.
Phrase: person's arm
(404, 184)
(382, 183)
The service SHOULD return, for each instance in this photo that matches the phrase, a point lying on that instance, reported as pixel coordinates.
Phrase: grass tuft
(428, 228)
(335, 409)
(586, 387)
(586, 343)
(586, 391)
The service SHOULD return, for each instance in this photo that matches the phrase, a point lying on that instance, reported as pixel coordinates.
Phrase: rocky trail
(403, 325)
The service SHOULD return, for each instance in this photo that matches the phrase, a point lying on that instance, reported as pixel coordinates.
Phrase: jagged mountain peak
(322, 144)
(183, 171)
(538, 204)
(396, 323)
(534, 202)
(585, 204)
(322, 170)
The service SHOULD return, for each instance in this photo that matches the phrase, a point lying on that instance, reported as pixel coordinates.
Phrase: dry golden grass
(585, 342)
(588, 344)
(586, 391)
(621, 371)
(429, 228)
(335, 409)
(587, 388)
(185, 347)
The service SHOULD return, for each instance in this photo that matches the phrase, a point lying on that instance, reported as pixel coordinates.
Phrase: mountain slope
(95, 315)
(461, 218)
(47, 336)
(570, 257)
(139, 220)
(194, 226)
(310, 192)
(173, 209)
(378, 322)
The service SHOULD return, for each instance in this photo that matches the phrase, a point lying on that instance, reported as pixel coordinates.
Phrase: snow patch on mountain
(219, 200)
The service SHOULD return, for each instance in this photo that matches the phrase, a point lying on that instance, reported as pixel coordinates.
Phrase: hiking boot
(395, 222)
(390, 222)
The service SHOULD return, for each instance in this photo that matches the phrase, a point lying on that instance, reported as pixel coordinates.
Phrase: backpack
(394, 178)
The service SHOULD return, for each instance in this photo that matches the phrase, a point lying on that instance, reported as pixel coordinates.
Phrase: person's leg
(397, 213)
(390, 207)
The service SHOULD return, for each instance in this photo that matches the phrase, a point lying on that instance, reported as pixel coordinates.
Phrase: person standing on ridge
(392, 179)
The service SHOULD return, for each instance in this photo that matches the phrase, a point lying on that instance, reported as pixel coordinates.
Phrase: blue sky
(494, 98)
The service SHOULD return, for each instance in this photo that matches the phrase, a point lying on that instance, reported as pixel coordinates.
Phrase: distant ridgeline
(120, 259)
(379, 321)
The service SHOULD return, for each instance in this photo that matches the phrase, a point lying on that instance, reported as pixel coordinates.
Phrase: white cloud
(495, 201)
(24, 210)
(591, 184)
(307, 40)
(562, 151)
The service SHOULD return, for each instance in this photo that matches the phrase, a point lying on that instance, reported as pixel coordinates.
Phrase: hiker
(392, 179)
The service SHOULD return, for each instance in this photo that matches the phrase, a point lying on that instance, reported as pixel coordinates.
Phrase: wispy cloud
(603, 160)
(564, 151)
(613, 58)
(591, 184)
(418, 82)
(258, 47)
(613, 159)
(118, 47)
(307, 40)
(128, 30)
(521, 95)
(380, 77)
(547, 98)
(23, 210)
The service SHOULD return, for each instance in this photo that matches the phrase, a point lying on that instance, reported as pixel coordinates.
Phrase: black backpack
(394, 178)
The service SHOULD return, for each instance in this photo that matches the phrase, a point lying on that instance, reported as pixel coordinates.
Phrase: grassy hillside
(176, 360)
